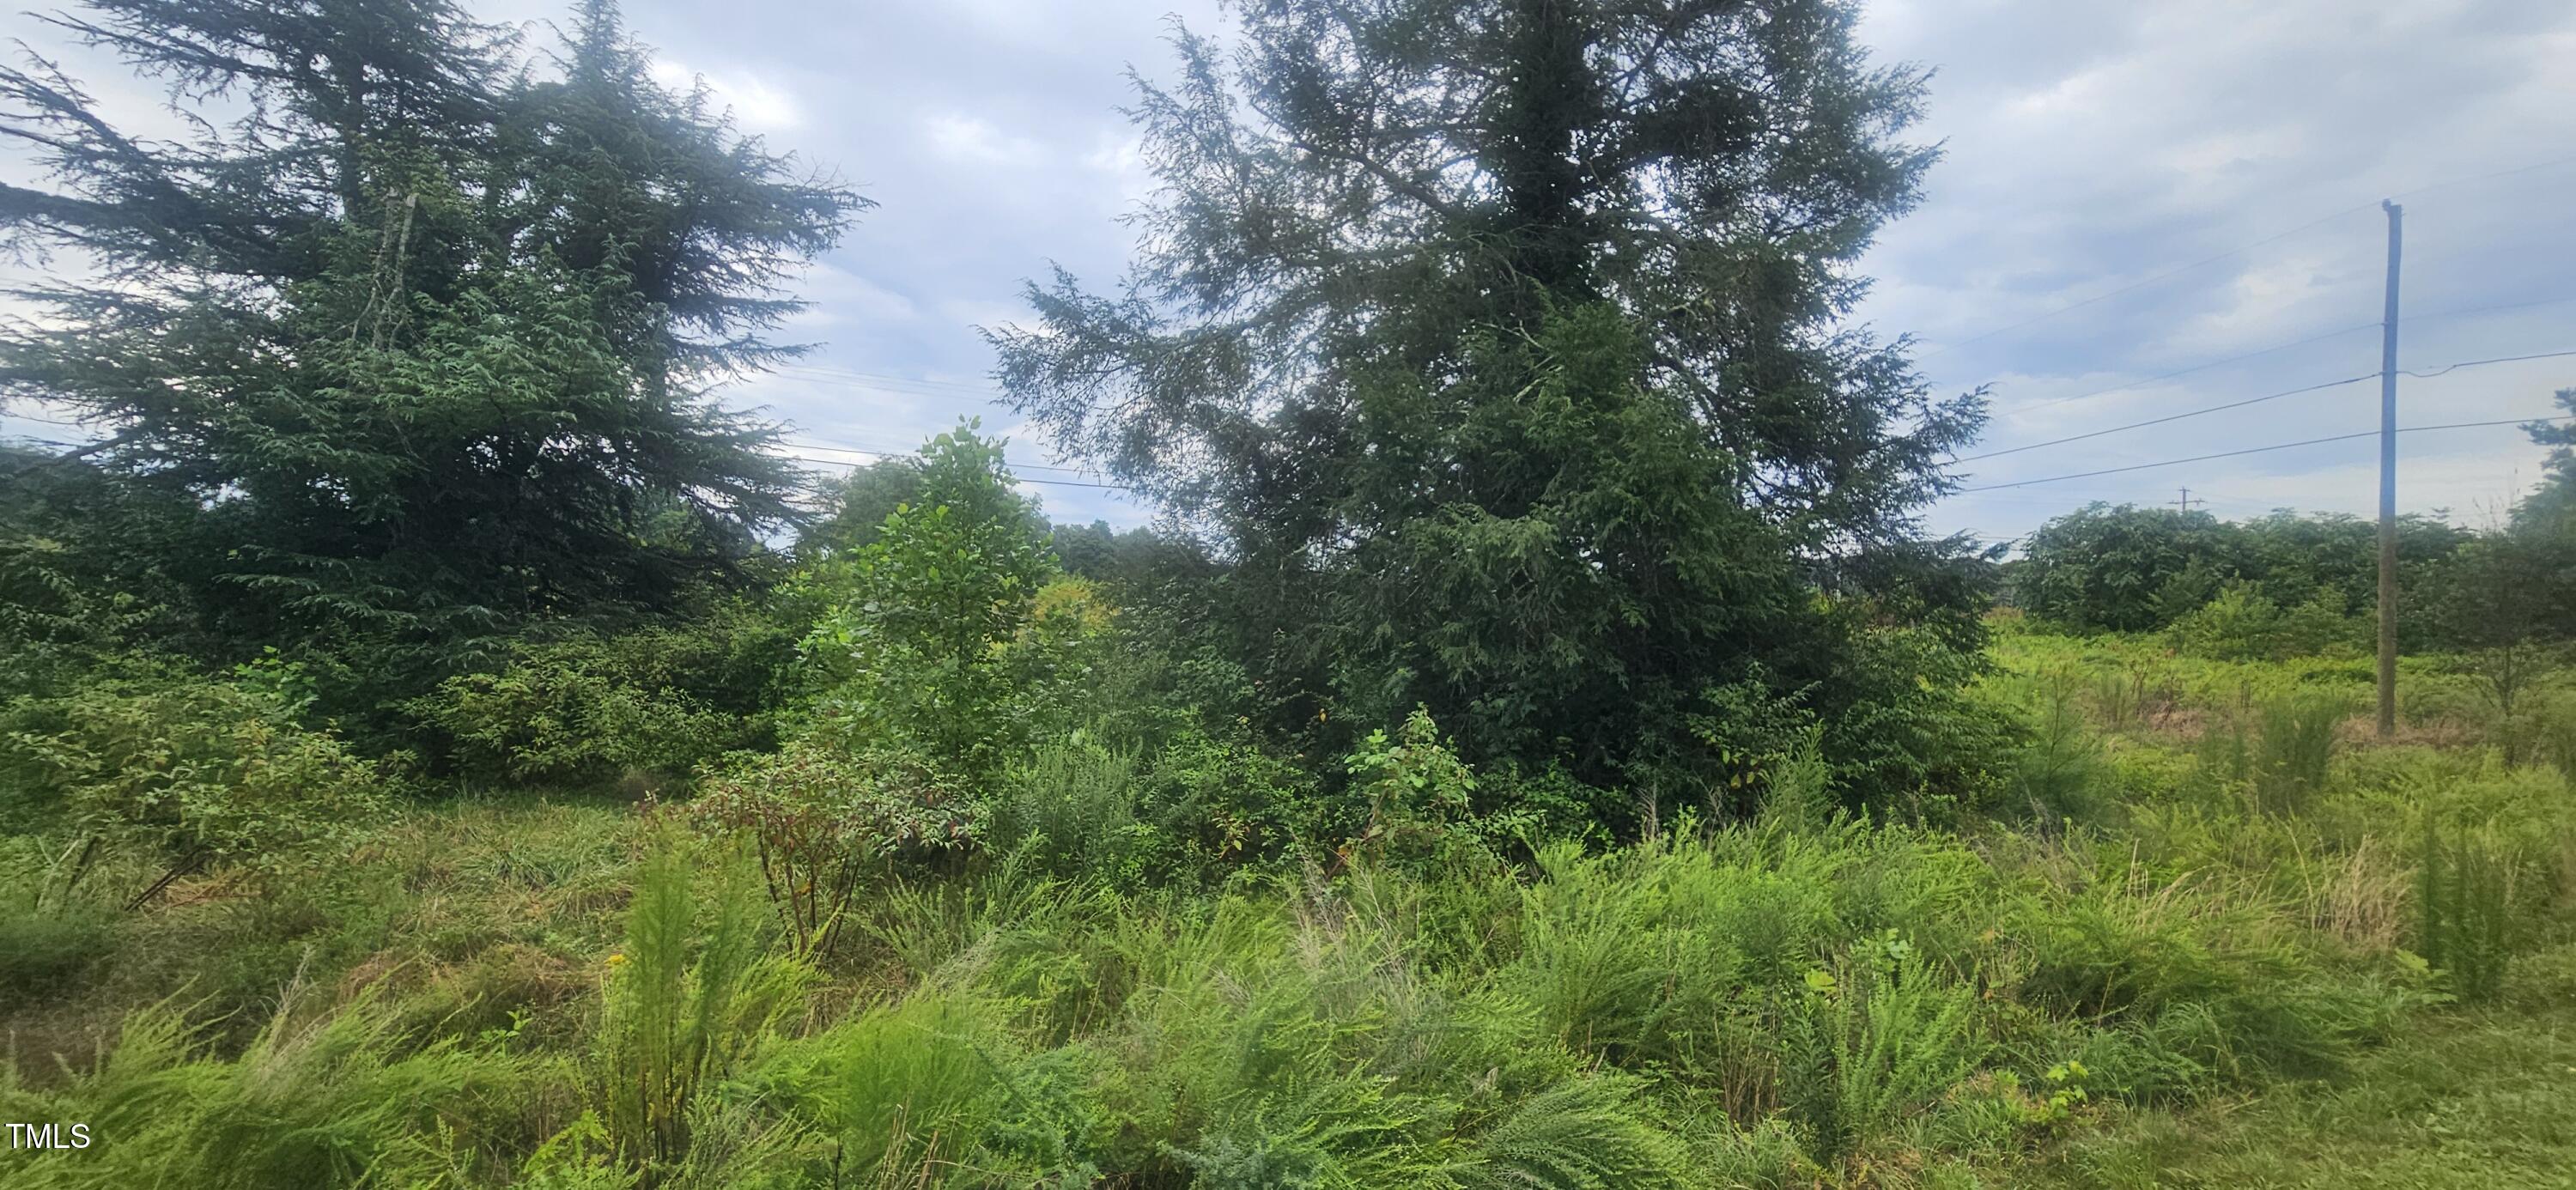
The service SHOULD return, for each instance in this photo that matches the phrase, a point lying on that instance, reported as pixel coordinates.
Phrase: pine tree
(1504, 345)
(428, 346)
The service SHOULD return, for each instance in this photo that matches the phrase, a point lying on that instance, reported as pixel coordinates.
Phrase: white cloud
(758, 106)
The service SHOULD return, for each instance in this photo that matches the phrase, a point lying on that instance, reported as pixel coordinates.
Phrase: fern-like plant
(691, 997)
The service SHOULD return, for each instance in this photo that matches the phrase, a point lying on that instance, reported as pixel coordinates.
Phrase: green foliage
(2131, 569)
(339, 1099)
(1553, 477)
(1074, 806)
(918, 649)
(414, 326)
(1877, 1040)
(2242, 624)
(199, 773)
(1581, 1134)
(2296, 747)
(1417, 789)
(2464, 909)
(821, 819)
(903, 1091)
(50, 936)
(691, 998)
(585, 709)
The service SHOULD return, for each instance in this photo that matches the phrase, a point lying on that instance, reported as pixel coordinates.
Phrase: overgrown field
(2221, 888)
(1533, 741)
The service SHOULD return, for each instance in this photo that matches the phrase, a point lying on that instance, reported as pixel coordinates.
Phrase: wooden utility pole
(2388, 480)
(2186, 502)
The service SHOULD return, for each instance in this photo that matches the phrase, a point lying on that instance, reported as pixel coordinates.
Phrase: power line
(2372, 325)
(2501, 359)
(1058, 483)
(2361, 326)
(2157, 421)
(885, 453)
(2255, 450)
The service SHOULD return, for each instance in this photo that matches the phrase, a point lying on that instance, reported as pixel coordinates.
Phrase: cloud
(756, 105)
(2092, 151)
(960, 137)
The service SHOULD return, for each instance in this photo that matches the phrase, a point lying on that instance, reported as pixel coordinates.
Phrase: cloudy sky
(2111, 211)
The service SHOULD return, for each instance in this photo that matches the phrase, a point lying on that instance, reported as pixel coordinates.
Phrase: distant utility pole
(2187, 501)
(2388, 479)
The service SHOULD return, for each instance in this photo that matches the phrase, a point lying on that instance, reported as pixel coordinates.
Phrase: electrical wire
(885, 453)
(2157, 421)
(2256, 450)
(2471, 363)
(1057, 483)
(2373, 324)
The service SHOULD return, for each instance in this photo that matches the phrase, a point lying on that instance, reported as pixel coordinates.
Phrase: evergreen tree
(1503, 345)
(428, 341)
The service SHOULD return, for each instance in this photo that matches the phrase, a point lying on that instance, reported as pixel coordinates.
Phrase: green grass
(2487, 1100)
(2166, 972)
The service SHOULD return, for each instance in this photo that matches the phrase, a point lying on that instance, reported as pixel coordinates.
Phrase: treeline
(2289, 584)
(404, 379)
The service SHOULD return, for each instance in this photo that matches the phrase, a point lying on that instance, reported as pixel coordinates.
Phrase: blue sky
(2090, 147)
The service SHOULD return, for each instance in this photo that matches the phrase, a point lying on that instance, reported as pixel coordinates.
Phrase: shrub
(2464, 910)
(1418, 791)
(2295, 749)
(587, 708)
(1882, 1037)
(342, 1100)
(2243, 624)
(819, 820)
(49, 938)
(1589, 1131)
(1075, 804)
(201, 773)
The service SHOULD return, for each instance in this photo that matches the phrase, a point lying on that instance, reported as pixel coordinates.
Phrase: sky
(2142, 209)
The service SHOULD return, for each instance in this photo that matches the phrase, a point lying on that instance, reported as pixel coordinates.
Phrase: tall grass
(2464, 909)
(690, 999)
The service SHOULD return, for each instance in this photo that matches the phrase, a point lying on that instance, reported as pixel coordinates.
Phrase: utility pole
(2186, 502)
(2388, 479)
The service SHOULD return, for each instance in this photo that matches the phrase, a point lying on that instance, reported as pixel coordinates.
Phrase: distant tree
(2132, 569)
(1499, 346)
(428, 343)
(2121, 568)
(856, 505)
(2551, 509)
(2510, 609)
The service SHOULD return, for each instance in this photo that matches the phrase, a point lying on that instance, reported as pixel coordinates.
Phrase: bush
(200, 773)
(819, 820)
(588, 708)
(2243, 624)
(48, 940)
(928, 643)
(1877, 1040)
(338, 1100)
(1074, 803)
(2464, 912)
